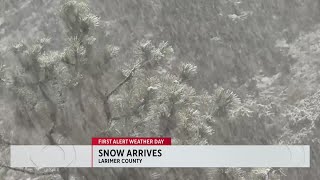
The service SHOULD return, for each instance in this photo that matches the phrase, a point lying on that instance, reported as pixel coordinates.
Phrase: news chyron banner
(157, 152)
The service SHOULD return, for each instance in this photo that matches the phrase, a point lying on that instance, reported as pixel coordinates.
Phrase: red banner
(157, 141)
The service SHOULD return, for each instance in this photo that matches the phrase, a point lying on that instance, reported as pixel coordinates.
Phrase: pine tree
(84, 90)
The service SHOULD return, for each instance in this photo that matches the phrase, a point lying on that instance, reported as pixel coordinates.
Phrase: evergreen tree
(81, 91)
